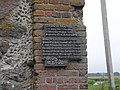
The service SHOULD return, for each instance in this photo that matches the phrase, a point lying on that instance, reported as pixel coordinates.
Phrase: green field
(102, 83)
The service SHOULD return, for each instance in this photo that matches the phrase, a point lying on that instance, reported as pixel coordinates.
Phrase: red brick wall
(60, 12)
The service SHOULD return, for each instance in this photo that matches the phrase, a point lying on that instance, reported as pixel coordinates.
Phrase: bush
(91, 82)
(117, 87)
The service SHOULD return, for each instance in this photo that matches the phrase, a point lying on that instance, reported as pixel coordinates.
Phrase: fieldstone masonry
(16, 51)
(42, 45)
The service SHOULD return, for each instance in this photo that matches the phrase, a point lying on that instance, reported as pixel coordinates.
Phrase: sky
(93, 20)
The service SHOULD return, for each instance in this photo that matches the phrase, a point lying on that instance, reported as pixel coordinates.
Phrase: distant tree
(116, 73)
(98, 74)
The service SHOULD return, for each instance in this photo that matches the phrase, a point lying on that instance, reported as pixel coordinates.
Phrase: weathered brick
(83, 41)
(37, 52)
(84, 53)
(38, 59)
(39, 67)
(37, 26)
(80, 27)
(56, 14)
(39, 13)
(37, 39)
(49, 80)
(46, 73)
(67, 73)
(62, 7)
(84, 59)
(46, 87)
(82, 34)
(67, 87)
(39, 19)
(46, 1)
(82, 72)
(54, 1)
(76, 66)
(73, 2)
(48, 13)
(65, 21)
(58, 80)
(74, 80)
(83, 86)
(43, 20)
(38, 32)
(34, 1)
(66, 15)
(40, 80)
(36, 46)
(77, 2)
(44, 7)
(66, 2)
(42, 13)
(40, 1)
(59, 73)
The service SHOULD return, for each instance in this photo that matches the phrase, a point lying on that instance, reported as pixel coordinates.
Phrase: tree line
(103, 74)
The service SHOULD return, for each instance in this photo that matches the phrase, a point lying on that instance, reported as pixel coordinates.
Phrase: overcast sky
(93, 21)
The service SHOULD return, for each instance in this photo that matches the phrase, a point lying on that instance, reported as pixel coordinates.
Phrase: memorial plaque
(60, 44)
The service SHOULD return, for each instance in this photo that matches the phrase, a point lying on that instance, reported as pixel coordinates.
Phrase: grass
(103, 86)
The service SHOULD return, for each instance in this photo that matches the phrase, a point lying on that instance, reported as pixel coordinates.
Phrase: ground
(102, 86)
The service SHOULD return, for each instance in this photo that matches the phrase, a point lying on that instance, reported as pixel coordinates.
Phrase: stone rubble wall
(16, 53)
(59, 12)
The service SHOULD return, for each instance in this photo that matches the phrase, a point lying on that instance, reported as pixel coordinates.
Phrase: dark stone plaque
(60, 44)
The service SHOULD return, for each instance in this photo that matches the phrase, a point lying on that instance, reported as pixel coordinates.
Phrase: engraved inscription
(61, 44)
(54, 61)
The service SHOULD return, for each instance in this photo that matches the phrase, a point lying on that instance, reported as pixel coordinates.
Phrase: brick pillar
(59, 12)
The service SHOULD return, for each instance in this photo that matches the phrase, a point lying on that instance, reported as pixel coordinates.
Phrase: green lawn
(103, 86)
